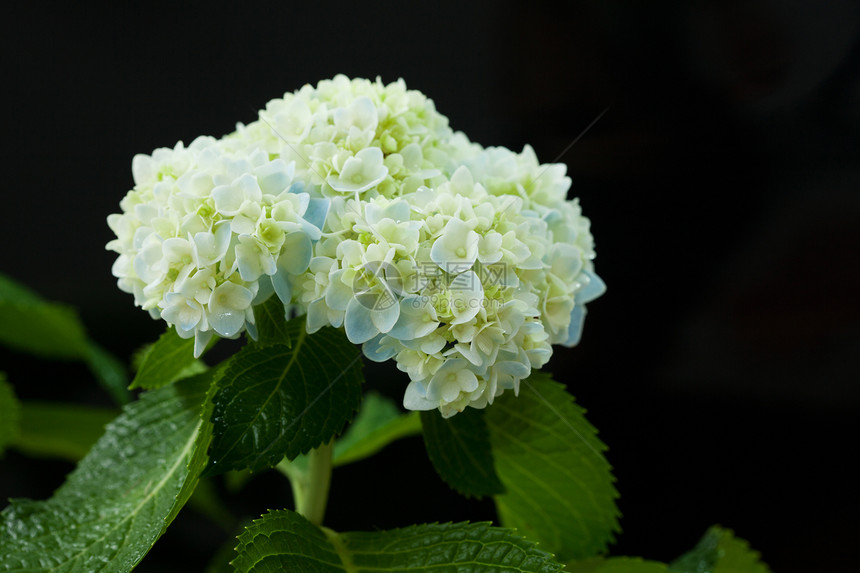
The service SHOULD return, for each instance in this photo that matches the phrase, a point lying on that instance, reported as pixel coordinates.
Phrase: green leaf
(199, 459)
(13, 291)
(220, 561)
(28, 323)
(61, 430)
(459, 448)
(166, 361)
(616, 565)
(286, 541)
(110, 373)
(276, 401)
(123, 494)
(273, 325)
(378, 423)
(719, 551)
(10, 414)
(559, 487)
(46, 329)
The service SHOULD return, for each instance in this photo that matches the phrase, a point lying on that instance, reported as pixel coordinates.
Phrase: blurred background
(723, 186)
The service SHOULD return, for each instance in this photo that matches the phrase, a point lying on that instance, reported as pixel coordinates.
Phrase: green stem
(310, 487)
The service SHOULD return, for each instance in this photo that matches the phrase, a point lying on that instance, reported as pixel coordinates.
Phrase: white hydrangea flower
(203, 228)
(356, 205)
(457, 246)
(360, 172)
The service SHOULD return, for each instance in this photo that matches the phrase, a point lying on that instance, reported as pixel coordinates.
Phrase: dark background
(722, 183)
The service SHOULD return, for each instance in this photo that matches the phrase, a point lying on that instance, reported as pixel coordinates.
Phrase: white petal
(275, 176)
(203, 249)
(360, 172)
(176, 249)
(462, 182)
(457, 248)
(184, 314)
(467, 296)
(489, 248)
(467, 380)
(250, 189)
(228, 199)
(253, 259)
(227, 308)
(142, 169)
(317, 316)
(417, 319)
(449, 391)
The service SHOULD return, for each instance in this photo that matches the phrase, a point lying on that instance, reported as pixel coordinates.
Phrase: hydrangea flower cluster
(357, 205)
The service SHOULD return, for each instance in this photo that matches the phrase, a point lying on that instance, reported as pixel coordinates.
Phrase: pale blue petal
(531, 263)
(553, 216)
(185, 334)
(398, 211)
(201, 341)
(338, 294)
(317, 316)
(227, 323)
(335, 317)
(471, 354)
(514, 368)
(358, 324)
(281, 284)
(592, 290)
(310, 230)
(274, 177)
(539, 356)
(296, 253)
(414, 344)
(265, 291)
(385, 318)
(432, 344)
(415, 397)
(577, 321)
(379, 348)
(411, 324)
(249, 260)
